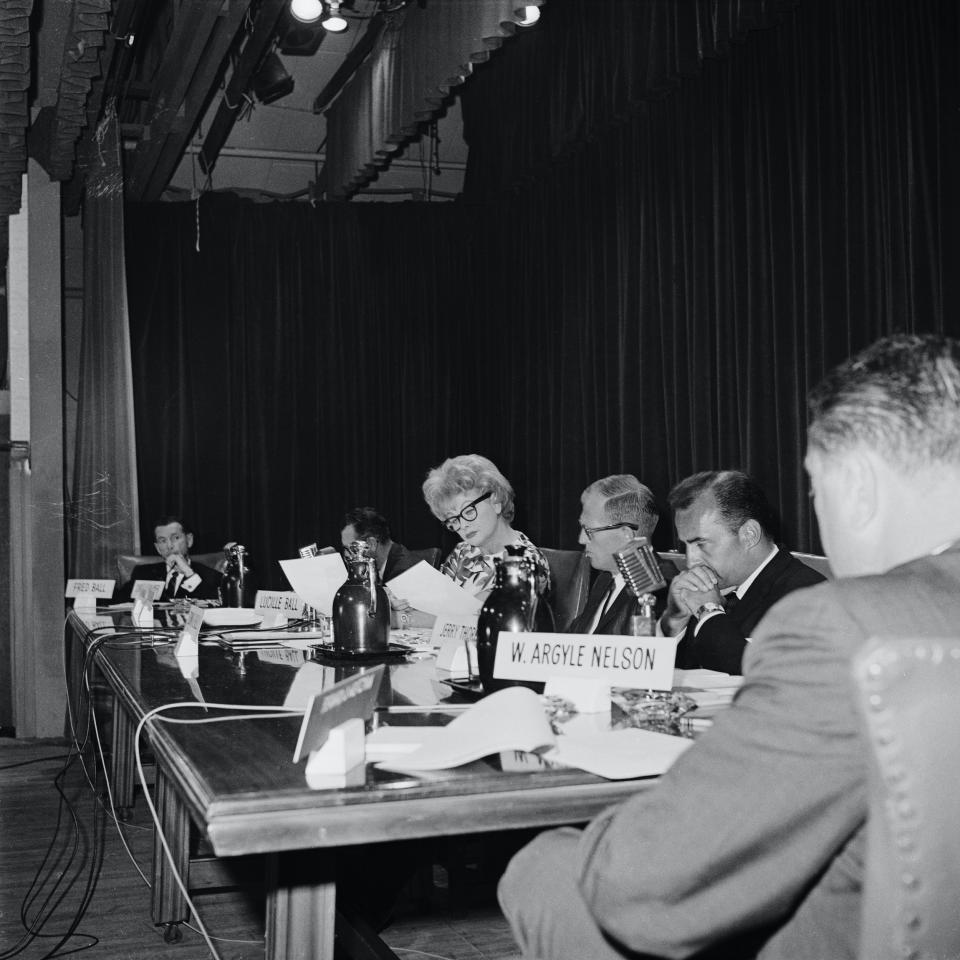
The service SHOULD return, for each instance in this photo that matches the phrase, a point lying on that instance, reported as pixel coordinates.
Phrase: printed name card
(84, 593)
(188, 643)
(144, 593)
(353, 697)
(146, 590)
(643, 662)
(283, 602)
(455, 639)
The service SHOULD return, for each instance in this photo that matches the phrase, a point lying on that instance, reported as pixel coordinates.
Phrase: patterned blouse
(469, 566)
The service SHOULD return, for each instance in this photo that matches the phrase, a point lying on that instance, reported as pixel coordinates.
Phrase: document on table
(620, 754)
(709, 689)
(316, 579)
(514, 719)
(427, 589)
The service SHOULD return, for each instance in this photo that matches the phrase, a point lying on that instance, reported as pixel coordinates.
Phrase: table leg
(301, 904)
(121, 767)
(168, 904)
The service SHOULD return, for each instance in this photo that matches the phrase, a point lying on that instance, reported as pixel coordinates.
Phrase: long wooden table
(236, 782)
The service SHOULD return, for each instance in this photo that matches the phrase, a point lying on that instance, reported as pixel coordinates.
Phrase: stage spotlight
(528, 15)
(306, 11)
(333, 21)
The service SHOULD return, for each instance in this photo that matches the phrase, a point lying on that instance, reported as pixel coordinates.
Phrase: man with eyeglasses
(735, 570)
(613, 511)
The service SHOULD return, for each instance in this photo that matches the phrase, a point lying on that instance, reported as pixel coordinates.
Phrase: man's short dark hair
(169, 518)
(367, 523)
(738, 496)
(900, 397)
(627, 500)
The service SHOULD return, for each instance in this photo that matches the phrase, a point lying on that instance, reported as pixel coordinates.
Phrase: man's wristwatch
(709, 607)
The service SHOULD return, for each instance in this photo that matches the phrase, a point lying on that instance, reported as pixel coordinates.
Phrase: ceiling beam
(253, 50)
(202, 35)
(350, 64)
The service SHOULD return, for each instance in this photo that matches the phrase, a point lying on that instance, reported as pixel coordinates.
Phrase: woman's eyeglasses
(590, 531)
(468, 513)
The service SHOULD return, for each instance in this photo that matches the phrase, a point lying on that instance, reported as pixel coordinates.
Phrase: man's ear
(860, 490)
(189, 538)
(749, 534)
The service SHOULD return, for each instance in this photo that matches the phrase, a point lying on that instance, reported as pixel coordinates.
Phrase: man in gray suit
(752, 844)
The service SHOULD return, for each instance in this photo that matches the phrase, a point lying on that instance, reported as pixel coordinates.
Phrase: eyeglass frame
(590, 531)
(459, 518)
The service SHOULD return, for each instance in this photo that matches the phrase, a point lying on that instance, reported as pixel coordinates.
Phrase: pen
(435, 708)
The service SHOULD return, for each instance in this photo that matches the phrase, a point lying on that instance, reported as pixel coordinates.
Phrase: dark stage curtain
(692, 264)
(301, 362)
(657, 298)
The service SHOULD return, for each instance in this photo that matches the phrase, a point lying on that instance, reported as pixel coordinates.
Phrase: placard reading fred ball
(89, 588)
(642, 662)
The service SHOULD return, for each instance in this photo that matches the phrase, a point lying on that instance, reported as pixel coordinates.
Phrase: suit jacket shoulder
(398, 559)
(757, 830)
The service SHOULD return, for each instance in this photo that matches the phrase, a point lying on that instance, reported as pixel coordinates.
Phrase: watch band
(709, 607)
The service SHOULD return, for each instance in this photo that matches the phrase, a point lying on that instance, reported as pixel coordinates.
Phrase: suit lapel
(756, 595)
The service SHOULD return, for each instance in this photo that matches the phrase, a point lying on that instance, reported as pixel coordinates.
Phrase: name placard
(285, 602)
(89, 588)
(188, 643)
(353, 697)
(146, 590)
(644, 662)
(455, 639)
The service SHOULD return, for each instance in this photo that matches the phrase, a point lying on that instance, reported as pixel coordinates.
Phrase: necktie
(730, 600)
(607, 600)
(171, 587)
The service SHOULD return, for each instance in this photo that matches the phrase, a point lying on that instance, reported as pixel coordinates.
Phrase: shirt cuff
(191, 583)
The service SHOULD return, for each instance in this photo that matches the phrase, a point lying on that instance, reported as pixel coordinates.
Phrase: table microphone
(637, 561)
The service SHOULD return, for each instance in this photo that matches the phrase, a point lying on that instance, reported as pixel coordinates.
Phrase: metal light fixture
(333, 21)
(527, 15)
(306, 11)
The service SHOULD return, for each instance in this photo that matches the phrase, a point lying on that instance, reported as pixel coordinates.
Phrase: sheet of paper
(709, 689)
(620, 754)
(511, 719)
(387, 743)
(427, 589)
(316, 579)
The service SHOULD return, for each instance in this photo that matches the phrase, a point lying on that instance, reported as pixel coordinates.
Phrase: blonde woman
(473, 499)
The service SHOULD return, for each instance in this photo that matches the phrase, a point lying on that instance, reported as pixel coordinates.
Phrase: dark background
(677, 216)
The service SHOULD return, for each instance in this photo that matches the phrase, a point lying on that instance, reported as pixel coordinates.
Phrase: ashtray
(646, 705)
(393, 654)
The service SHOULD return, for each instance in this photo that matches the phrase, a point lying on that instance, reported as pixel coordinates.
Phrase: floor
(60, 851)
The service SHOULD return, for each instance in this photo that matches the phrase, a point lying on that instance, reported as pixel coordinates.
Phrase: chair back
(816, 562)
(569, 584)
(127, 561)
(430, 554)
(679, 560)
(909, 693)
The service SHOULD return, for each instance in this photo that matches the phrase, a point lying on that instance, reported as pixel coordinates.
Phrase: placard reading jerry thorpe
(645, 662)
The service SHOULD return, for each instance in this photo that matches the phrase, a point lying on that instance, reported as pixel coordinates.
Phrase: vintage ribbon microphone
(637, 561)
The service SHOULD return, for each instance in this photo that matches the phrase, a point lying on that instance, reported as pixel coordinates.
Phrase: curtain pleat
(103, 518)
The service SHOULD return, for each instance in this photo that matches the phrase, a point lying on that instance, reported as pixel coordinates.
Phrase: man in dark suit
(364, 523)
(183, 578)
(613, 512)
(753, 843)
(735, 571)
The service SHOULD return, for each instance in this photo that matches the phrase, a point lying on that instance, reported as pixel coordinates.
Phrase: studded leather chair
(910, 697)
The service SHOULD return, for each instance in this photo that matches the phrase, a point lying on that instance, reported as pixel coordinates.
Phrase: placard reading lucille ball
(642, 662)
